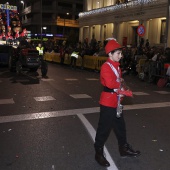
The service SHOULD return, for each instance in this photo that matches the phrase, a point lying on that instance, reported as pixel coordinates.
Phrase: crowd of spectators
(155, 57)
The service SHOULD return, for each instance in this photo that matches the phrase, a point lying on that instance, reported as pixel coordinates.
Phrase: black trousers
(107, 122)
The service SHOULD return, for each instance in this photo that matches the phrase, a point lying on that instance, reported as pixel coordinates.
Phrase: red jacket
(108, 79)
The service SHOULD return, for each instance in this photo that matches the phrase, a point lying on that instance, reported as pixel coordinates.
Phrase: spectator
(62, 54)
(147, 44)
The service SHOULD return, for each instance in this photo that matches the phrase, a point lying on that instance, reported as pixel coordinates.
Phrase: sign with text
(9, 7)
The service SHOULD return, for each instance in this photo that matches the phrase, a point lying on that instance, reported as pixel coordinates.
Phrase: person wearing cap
(110, 78)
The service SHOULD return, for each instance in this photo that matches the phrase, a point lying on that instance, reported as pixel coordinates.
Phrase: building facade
(121, 19)
(57, 18)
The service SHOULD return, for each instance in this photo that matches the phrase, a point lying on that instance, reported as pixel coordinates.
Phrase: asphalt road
(50, 123)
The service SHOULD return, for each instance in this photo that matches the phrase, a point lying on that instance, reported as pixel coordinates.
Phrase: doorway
(135, 36)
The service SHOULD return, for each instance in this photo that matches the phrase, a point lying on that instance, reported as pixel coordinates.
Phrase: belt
(106, 89)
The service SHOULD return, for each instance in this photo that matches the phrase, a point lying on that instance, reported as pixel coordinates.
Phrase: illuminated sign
(9, 7)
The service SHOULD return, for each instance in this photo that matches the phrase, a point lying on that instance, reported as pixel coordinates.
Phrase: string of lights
(117, 7)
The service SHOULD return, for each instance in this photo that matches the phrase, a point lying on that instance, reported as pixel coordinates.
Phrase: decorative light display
(117, 7)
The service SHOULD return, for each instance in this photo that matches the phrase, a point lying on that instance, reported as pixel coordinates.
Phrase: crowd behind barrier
(89, 62)
(148, 63)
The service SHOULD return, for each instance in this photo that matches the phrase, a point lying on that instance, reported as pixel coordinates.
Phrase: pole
(65, 23)
(64, 28)
(41, 18)
(7, 13)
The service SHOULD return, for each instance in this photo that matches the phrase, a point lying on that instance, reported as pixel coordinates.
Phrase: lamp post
(64, 25)
(21, 7)
(41, 19)
(45, 28)
(22, 2)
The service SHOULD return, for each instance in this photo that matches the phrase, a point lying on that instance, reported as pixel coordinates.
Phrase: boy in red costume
(110, 78)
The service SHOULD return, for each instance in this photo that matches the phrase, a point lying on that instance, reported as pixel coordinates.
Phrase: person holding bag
(111, 116)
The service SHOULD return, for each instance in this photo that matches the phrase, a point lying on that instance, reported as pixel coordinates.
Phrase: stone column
(167, 41)
(115, 30)
(81, 38)
(146, 25)
(90, 33)
(101, 33)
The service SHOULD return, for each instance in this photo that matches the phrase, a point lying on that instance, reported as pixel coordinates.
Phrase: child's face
(116, 56)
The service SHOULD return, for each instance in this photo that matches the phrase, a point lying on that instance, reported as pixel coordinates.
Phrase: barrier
(99, 62)
(67, 59)
(90, 62)
(48, 56)
(79, 61)
(140, 65)
(56, 57)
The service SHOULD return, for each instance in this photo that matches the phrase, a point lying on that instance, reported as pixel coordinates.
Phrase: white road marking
(79, 113)
(47, 79)
(71, 79)
(162, 92)
(92, 133)
(140, 93)
(91, 79)
(80, 96)
(146, 106)
(43, 115)
(44, 98)
(7, 101)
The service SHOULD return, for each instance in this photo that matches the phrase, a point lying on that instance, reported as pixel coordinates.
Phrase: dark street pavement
(50, 123)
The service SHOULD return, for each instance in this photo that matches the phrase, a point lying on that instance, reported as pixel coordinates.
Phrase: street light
(45, 28)
(22, 2)
(64, 25)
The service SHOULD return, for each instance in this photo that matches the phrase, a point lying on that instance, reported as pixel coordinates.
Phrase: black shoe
(99, 157)
(127, 151)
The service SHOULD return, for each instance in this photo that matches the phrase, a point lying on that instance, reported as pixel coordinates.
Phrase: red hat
(111, 46)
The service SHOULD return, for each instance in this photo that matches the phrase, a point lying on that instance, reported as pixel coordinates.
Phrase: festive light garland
(117, 7)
